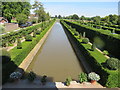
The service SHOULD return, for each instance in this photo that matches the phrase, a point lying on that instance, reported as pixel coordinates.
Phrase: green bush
(85, 40)
(34, 34)
(19, 45)
(112, 63)
(28, 38)
(108, 78)
(43, 80)
(38, 32)
(93, 76)
(93, 47)
(76, 33)
(105, 52)
(82, 77)
(31, 76)
(68, 80)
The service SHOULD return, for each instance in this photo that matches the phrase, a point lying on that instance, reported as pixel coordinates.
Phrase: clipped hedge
(109, 78)
(111, 41)
(19, 57)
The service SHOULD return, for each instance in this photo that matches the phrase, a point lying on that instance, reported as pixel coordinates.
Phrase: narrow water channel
(56, 58)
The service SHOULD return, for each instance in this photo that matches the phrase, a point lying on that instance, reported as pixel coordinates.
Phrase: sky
(88, 8)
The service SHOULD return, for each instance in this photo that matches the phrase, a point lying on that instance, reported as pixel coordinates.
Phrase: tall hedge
(109, 78)
(111, 44)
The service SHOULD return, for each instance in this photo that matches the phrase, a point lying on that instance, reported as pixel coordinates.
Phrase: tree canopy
(11, 9)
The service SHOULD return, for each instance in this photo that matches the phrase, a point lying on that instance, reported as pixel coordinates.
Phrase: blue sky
(85, 8)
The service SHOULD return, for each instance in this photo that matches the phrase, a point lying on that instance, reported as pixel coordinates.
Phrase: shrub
(93, 76)
(84, 34)
(76, 33)
(112, 63)
(82, 77)
(19, 45)
(28, 38)
(34, 34)
(15, 75)
(38, 32)
(93, 47)
(105, 52)
(43, 80)
(85, 40)
(31, 76)
(68, 80)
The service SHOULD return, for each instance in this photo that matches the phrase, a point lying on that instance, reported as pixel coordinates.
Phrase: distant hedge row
(111, 42)
(109, 78)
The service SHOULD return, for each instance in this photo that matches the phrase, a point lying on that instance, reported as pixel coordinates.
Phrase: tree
(97, 19)
(75, 16)
(19, 45)
(39, 11)
(21, 18)
(11, 9)
(82, 18)
(59, 17)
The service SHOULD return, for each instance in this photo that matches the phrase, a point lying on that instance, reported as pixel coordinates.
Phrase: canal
(56, 58)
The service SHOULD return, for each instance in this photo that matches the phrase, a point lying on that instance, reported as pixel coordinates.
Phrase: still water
(56, 58)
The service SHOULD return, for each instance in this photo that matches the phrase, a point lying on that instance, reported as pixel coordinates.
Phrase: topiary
(19, 45)
(68, 80)
(105, 52)
(28, 38)
(76, 33)
(43, 80)
(85, 40)
(31, 76)
(93, 47)
(38, 32)
(34, 34)
(84, 34)
(113, 63)
(82, 77)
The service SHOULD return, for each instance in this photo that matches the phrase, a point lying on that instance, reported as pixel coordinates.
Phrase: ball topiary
(93, 76)
(28, 38)
(85, 40)
(112, 63)
(68, 80)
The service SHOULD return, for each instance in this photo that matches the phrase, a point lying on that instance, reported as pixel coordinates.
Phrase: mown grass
(18, 55)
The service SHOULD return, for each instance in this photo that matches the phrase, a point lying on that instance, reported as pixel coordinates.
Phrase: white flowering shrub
(15, 75)
(94, 76)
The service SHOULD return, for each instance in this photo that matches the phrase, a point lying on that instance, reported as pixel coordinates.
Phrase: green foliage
(93, 47)
(38, 32)
(75, 16)
(105, 52)
(68, 80)
(82, 77)
(76, 33)
(85, 40)
(31, 76)
(96, 59)
(11, 9)
(113, 63)
(2, 29)
(43, 80)
(18, 55)
(84, 34)
(34, 34)
(21, 18)
(28, 38)
(19, 45)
